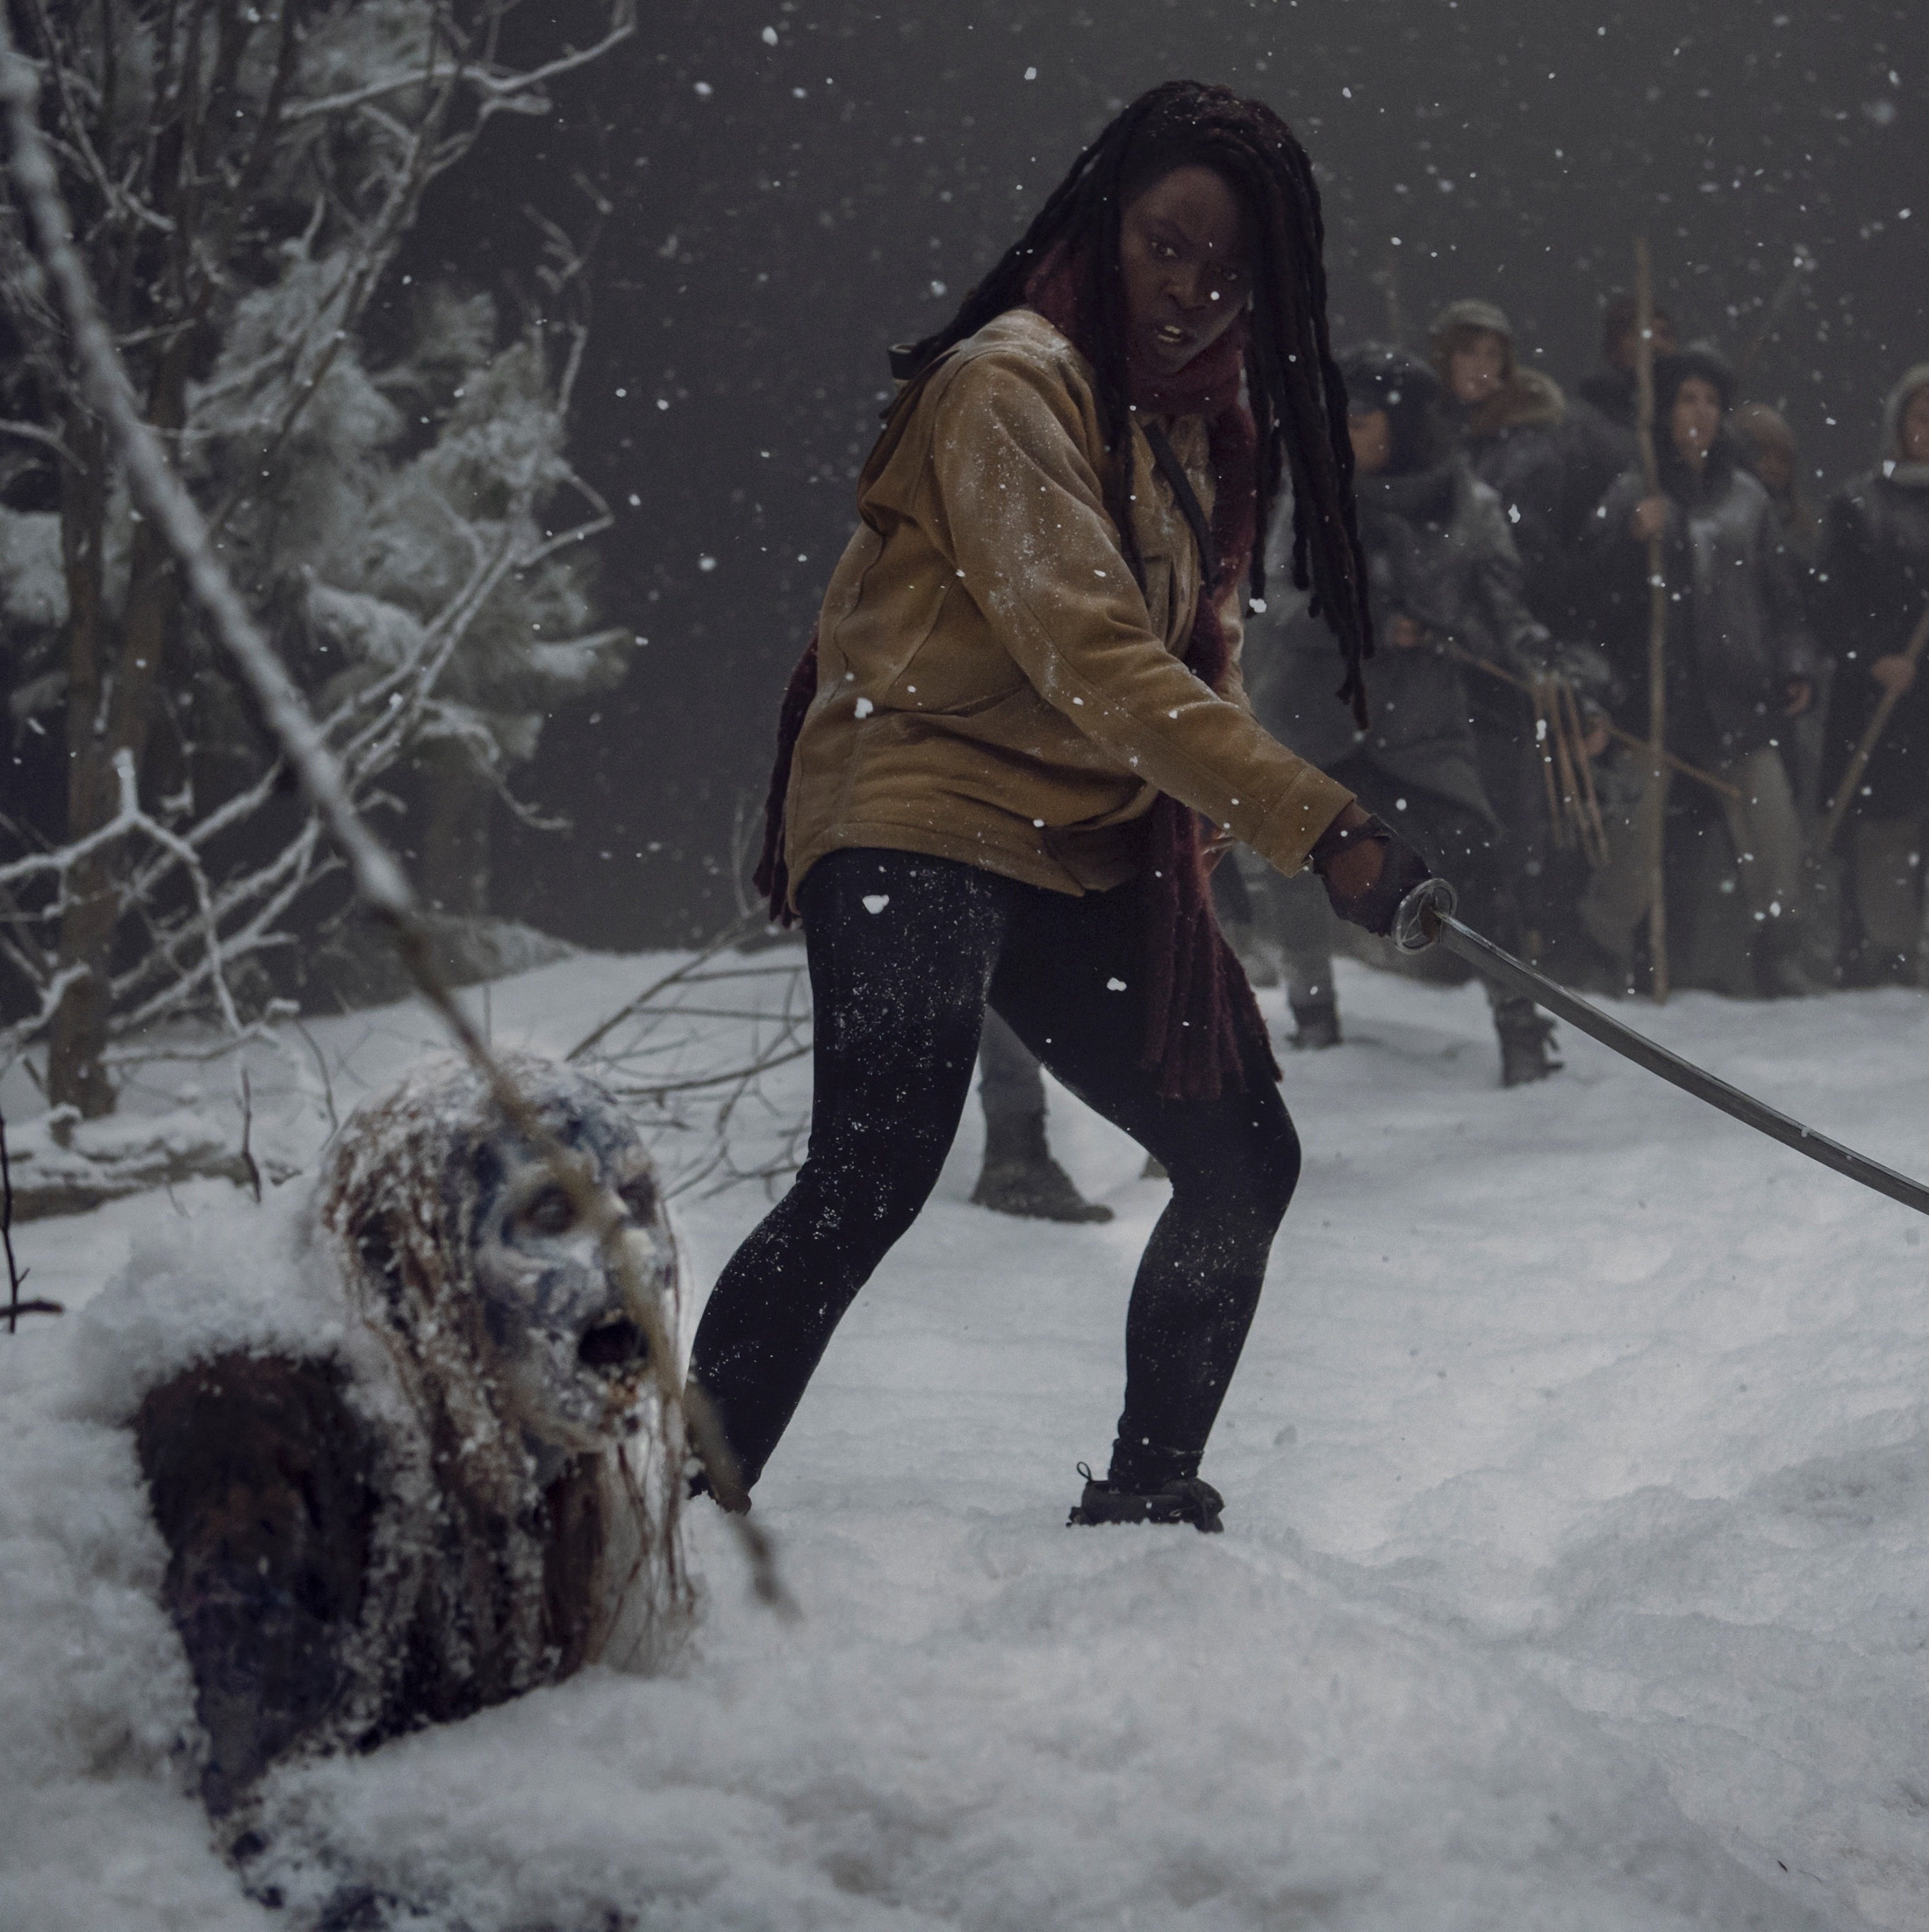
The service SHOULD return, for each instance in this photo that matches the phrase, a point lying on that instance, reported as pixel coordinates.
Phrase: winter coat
(993, 685)
(1601, 439)
(1874, 587)
(1516, 442)
(1438, 550)
(1737, 634)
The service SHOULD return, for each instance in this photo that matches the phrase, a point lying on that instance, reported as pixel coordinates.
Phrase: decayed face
(1695, 419)
(1474, 371)
(1183, 252)
(569, 1357)
(1915, 428)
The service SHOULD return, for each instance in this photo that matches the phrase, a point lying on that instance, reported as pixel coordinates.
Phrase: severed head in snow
(440, 1474)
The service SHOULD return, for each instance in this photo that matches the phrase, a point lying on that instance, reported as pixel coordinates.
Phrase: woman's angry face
(1184, 254)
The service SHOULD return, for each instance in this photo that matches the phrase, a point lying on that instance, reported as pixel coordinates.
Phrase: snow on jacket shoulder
(993, 686)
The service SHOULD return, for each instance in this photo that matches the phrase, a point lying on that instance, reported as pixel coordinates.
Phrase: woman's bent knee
(1246, 1165)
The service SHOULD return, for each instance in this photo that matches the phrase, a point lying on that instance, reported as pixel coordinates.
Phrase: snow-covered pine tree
(242, 178)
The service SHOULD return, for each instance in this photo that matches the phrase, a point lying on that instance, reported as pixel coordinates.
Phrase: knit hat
(1379, 376)
(1470, 312)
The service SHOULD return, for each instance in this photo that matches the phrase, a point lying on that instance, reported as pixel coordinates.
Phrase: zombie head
(532, 1474)
(469, 1256)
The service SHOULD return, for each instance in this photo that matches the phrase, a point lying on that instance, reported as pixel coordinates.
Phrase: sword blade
(1488, 959)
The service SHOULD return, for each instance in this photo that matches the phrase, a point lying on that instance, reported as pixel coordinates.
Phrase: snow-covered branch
(378, 880)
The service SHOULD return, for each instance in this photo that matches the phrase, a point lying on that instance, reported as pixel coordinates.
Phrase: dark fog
(791, 185)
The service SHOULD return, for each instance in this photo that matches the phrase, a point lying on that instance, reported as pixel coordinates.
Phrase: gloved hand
(1367, 869)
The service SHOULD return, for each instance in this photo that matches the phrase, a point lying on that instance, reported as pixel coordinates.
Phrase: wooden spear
(1461, 654)
(1838, 806)
(1658, 629)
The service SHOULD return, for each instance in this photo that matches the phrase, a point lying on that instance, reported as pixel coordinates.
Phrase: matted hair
(1297, 399)
(464, 1610)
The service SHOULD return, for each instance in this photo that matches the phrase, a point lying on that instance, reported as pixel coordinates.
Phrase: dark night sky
(784, 211)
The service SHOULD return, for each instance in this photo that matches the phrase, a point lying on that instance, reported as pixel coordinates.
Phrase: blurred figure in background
(1511, 423)
(1020, 1175)
(1600, 433)
(1874, 585)
(1445, 577)
(1768, 446)
(1739, 667)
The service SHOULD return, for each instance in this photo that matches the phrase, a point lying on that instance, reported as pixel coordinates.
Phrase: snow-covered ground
(1574, 1576)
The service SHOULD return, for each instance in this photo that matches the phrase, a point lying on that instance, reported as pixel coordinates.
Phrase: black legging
(904, 951)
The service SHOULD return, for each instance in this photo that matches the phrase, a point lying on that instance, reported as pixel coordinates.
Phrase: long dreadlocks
(1297, 398)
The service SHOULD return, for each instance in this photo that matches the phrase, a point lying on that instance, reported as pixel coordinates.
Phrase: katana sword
(1425, 918)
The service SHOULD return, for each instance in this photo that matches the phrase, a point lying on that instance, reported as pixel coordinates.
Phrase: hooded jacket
(1736, 630)
(995, 686)
(1439, 549)
(1874, 588)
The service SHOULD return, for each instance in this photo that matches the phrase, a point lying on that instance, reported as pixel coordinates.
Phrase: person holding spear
(1737, 665)
(1875, 593)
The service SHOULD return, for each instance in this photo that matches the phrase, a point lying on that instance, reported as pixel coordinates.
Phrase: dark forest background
(786, 187)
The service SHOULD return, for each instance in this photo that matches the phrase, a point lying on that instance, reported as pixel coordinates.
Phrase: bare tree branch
(378, 879)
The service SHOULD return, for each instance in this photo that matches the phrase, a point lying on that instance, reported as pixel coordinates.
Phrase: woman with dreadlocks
(998, 757)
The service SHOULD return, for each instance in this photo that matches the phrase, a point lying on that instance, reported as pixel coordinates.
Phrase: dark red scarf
(1204, 1035)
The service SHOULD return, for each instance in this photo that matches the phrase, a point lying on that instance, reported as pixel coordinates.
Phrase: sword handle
(1417, 924)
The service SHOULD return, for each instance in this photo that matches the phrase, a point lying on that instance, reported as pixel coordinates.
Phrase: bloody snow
(1575, 1569)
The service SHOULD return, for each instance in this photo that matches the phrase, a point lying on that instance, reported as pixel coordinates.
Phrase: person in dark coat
(1599, 424)
(1445, 580)
(1512, 425)
(1874, 588)
(1740, 665)
(1768, 446)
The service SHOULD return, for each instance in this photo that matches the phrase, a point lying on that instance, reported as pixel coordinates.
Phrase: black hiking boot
(1316, 1024)
(1526, 1039)
(1178, 1499)
(1020, 1176)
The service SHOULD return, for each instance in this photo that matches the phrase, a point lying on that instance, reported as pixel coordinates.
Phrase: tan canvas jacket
(993, 686)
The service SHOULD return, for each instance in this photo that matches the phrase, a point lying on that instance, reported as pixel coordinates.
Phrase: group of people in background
(1508, 528)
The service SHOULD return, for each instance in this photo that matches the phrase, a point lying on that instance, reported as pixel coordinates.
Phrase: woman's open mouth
(1170, 335)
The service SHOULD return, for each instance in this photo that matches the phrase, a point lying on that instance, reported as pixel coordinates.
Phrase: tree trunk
(104, 719)
(76, 1077)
